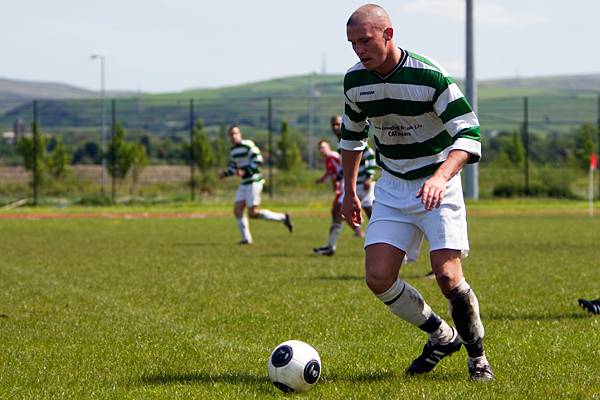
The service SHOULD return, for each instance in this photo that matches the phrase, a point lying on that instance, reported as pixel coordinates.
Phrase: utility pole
(471, 170)
(192, 180)
(36, 138)
(103, 117)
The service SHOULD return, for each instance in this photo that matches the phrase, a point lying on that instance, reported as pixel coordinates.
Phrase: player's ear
(388, 33)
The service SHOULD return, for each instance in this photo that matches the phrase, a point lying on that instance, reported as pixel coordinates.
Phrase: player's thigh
(238, 208)
(391, 226)
(253, 193)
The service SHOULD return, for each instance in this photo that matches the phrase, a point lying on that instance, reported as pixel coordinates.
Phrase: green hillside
(557, 104)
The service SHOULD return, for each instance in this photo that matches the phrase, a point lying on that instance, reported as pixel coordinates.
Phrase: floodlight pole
(103, 117)
(471, 170)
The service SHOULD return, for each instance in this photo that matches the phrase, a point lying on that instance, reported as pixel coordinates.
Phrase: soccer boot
(244, 242)
(288, 222)
(592, 306)
(481, 372)
(433, 354)
(324, 251)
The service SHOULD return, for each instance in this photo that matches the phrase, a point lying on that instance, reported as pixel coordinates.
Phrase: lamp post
(471, 170)
(103, 117)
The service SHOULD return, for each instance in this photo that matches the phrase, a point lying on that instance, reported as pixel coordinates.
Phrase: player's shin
(464, 309)
(244, 228)
(407, 303)
(271, 215)
(334, 233)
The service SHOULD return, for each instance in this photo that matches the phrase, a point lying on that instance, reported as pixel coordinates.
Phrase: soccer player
(365, 187)
(245, 160)
(592, 306)
(424, 132)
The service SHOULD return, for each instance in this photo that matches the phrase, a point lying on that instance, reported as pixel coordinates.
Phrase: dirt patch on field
(108, 215)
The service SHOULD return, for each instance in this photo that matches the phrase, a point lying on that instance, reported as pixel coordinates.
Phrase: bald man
(424, 131)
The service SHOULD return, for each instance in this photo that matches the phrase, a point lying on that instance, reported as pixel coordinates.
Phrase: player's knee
(377, 281)
(253, 213)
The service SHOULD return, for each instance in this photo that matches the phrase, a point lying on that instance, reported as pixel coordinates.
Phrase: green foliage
(122, 156)
(33, 151)
(201, 147)
(584, 145)
(59, 161)
(516, 151)
(289, 157)
(220, 148)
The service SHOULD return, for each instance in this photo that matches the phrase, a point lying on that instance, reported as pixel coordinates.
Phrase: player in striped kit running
(245, 160)
(424, 132)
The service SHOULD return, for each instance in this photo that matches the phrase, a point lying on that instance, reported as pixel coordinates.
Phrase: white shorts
(249, 193)
(366, 197)
(400, 219)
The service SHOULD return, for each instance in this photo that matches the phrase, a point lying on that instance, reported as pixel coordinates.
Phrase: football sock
(244, 229)
(407, 303)
(477, 361)
(464, 309)
(271, 215)
(334, 233)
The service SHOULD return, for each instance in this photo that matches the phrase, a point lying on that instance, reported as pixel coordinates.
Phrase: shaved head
(371, 14)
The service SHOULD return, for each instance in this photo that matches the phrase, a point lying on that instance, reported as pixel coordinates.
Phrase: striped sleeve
(369, 162)
(355, 128)
(458, 118)
(231, 166)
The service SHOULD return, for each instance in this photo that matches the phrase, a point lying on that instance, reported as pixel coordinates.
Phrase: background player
(245, 160)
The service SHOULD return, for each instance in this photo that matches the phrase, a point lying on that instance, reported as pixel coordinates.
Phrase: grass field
(108, 308)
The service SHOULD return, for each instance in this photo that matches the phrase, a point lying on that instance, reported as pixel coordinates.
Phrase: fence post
(35, 136)
(526, 141)
(192, 180)
(270, 129)
(113, 149)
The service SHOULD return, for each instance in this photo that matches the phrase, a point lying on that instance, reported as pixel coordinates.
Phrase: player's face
(369, 43)
(336, 127)
(235, 135)
(324, 149)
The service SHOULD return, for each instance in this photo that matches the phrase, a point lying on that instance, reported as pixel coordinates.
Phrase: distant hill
(557, 104)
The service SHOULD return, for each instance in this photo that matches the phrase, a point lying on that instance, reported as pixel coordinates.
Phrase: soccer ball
(294, 366)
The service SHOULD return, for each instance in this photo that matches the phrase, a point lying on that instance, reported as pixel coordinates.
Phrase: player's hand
(240, 173)
(432, 192)
(351, 210)
(367, 184)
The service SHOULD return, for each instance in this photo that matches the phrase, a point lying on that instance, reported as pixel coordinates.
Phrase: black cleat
(324, 251)
(481, 373)
(592, 306)
(244, 242)
(288, 222)
(433, 354)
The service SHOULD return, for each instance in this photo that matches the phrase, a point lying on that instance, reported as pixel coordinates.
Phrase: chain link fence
(555, 135)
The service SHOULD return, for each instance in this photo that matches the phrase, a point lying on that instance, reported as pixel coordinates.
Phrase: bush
(508, 190)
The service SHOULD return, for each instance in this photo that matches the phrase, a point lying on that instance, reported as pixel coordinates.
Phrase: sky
(172, 45)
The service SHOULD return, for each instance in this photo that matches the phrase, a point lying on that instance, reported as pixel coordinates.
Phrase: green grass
(156, 309)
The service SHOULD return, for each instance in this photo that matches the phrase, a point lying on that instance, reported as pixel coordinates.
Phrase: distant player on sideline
(245, 160)
(365, 188)
(424, 132)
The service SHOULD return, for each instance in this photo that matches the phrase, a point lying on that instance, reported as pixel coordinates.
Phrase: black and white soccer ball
(294, 366)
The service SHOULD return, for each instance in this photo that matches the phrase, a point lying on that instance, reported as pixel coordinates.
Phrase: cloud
(486, 14)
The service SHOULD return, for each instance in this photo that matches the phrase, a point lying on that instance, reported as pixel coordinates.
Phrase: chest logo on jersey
(400, 130)
(367, 93)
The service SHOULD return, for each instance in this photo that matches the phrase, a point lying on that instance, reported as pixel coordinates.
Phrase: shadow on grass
(203, 377)
(364, 377)
(347, 277)
(533, 317)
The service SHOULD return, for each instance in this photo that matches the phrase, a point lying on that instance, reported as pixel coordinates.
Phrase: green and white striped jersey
(366, 169)
(247, 158)
(416, 115)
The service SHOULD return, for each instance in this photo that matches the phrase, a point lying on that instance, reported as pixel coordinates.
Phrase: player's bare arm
(432, 191)
(351, 209)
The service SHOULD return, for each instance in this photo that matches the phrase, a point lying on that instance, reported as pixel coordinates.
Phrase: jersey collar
(396, 68)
